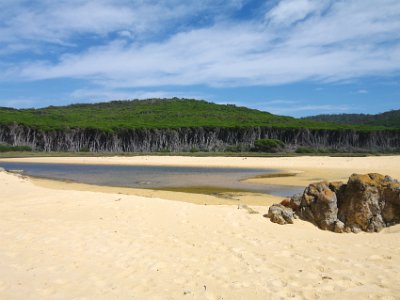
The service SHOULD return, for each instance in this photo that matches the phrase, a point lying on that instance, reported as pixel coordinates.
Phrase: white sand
(371, 162)
(63, 244)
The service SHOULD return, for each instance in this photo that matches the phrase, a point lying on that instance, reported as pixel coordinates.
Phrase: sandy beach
(71, 241)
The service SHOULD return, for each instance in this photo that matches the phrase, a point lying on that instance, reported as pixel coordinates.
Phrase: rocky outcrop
(366, 203)
(319, 205)
(201, 138)
(370, 202)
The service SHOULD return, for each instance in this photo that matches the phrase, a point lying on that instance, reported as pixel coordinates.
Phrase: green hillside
(388, 119)
(154, 113)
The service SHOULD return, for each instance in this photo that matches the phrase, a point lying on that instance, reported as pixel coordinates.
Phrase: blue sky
(289, 57)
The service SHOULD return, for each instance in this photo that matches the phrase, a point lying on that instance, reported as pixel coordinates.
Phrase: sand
(74, 244)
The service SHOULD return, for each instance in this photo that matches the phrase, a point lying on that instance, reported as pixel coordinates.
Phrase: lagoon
(187, 179)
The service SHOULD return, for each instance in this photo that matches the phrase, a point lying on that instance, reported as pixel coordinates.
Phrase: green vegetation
(8, 148)
(237, 148)
(18, 154)
(307, 150)
(268, 145)
(84, 149)
(156, 113)
(390, 119)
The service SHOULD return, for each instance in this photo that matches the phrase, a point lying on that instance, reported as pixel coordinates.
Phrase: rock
(339, 226)
(361, 206)
(319, 206)
(391, 197)
(294, 202)
(370, 202)
(390, 179)
(285, 202)
(280, 214)
(367, 202)
(338, 188)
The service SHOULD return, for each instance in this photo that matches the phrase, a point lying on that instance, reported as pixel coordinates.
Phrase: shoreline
(308, 169)
(201, 195)
(289, 171)
(218, 198)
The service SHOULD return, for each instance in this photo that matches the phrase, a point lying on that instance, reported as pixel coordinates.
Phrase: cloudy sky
(290, 57)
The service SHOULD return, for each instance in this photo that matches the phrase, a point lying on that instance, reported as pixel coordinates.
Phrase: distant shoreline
(27, 154)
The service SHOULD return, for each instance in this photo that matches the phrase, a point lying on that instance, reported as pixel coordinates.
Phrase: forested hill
(387, 119)
(176, 125)
(157, 113)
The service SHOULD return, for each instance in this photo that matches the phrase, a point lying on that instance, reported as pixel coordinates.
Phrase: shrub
(237, 148)
(9, 148)
(232, 149)
(84, 149)
(305, 150)
(268, 145)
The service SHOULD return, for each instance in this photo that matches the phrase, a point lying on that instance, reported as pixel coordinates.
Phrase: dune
(62, 243)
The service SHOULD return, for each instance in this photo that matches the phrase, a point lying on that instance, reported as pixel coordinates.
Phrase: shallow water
(156, 177)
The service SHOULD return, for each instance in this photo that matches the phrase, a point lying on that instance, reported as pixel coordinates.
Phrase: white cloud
(362, 91)
(290, 11)
(357, 24)
(56, 22)
(302, 40)
(126, 34)
(60, 21)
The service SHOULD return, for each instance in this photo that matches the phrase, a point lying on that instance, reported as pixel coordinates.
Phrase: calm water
(154, 176)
